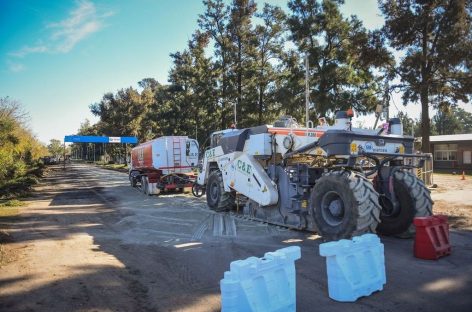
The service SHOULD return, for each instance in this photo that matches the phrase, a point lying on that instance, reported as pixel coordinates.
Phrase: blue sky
(57, 57)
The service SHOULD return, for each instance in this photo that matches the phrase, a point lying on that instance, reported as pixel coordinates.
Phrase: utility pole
(307, 91)
(235, 114)
(64, 155)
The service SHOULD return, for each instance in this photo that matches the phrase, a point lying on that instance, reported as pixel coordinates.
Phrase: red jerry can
(432, 237)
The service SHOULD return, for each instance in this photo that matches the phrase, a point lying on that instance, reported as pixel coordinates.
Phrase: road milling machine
(335, 180)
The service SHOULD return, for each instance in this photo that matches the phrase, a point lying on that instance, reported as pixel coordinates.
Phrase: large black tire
(344, 204)
(414, 200)
(217, 198)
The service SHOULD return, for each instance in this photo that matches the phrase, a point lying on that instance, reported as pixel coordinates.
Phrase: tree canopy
(246, 63)
(19, 148)
(436, 37)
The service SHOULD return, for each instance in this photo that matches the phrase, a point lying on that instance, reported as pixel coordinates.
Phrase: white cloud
(83, 21)
(83, 12)
(28, 50)
(69, 38)
(15, 67)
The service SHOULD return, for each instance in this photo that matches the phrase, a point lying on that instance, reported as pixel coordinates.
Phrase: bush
(11, 203)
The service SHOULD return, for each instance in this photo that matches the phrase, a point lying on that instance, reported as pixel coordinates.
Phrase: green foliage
(455, 120)
(343, 57)
(11, 203)
(254, 59)
(410, 126)
(436, 37)
(55, 147)
(19, 150)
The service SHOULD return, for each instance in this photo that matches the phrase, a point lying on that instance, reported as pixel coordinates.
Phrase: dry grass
(7, 255)
(9, 208)
(115, 167)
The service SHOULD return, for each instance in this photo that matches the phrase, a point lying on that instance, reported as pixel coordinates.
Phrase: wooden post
(64, 155)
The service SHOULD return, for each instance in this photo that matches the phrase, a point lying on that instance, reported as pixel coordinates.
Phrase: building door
(467, 159)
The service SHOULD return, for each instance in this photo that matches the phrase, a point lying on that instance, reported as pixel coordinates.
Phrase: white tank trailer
(165, 163)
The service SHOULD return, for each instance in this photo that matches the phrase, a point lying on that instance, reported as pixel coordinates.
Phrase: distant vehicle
(165, 163)
(50, 160)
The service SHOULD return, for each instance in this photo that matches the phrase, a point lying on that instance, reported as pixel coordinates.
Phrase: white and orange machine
(332, 179)
(165, 163)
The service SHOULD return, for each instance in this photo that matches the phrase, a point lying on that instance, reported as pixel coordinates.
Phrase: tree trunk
(424, 90)
(240, 78)
(223, 96)
(261, 103)
(425, 122)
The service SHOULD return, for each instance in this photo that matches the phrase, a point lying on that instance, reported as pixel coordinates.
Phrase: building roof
(452, 137)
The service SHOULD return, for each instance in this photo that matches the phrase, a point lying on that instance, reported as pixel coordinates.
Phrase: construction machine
(332, 179)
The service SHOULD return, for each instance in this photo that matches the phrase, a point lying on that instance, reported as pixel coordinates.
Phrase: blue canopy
(99, 139)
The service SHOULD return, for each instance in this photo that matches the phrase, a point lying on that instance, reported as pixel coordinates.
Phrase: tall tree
(55, 147)
(197, 100)
(214, 22)
(122, 113)
(290, 89)
(437, 38)
(268, 57)
(344, 57)
(410, 126)
(453, 120)
(241, 33)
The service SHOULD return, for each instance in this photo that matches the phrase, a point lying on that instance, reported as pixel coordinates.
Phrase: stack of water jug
(355, 268)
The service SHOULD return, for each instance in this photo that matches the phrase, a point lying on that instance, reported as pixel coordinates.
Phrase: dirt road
(89, 242)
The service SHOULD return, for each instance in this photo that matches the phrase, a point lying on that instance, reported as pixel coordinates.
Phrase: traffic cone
(463, 175)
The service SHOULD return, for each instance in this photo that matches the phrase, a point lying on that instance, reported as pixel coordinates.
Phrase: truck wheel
(144, 185)
(217, 198)
(132, 181)
(132, 178)
(344, 204)
(197, 190)
(414, 200)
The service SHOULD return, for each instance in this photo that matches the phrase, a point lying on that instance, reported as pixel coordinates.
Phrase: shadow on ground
(167, 254)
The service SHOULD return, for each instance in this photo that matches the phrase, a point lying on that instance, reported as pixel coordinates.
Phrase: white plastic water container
(355, 268)
(261, 284)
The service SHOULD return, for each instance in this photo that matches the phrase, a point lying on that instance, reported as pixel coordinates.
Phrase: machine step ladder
(177, 153)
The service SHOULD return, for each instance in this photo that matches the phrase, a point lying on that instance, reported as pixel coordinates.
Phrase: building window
(445, 152)
(467, 157)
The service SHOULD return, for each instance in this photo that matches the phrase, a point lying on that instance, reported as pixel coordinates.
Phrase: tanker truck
(163, 164)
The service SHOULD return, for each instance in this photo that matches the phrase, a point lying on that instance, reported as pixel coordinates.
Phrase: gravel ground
(87, 241)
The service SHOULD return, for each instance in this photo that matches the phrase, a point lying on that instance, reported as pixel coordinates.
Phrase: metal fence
(425, 173)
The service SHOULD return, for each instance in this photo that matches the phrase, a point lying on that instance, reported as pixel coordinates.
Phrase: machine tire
(217, 198)
(344, 204)
(198, 190)
(415, 201)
